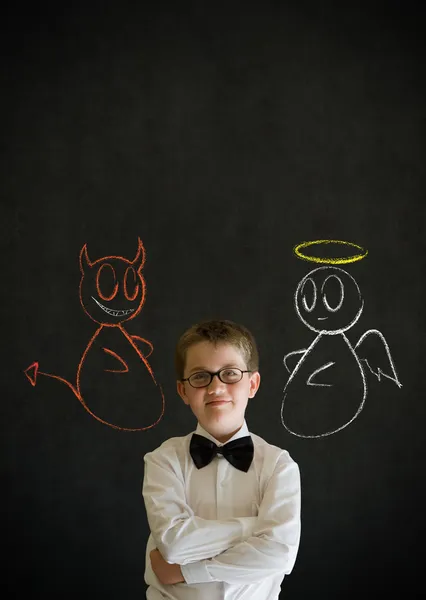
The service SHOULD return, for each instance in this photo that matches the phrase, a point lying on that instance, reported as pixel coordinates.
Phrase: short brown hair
(216, 332)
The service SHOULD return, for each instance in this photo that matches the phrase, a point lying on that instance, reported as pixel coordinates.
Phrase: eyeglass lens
(203, 378)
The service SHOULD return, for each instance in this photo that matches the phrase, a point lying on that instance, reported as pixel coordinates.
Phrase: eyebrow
(227, 366)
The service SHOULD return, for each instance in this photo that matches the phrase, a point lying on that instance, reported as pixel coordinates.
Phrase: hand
(166, 573)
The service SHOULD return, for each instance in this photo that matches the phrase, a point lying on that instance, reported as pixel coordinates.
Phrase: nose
(216, 385)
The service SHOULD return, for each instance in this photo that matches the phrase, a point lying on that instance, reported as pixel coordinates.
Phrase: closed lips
(217, 401)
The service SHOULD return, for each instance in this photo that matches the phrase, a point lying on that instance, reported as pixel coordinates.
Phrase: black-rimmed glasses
(226, 375)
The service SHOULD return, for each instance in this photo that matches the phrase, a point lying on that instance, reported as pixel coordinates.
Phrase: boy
(223, 505)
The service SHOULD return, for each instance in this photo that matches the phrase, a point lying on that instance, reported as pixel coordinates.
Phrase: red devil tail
(32, 373)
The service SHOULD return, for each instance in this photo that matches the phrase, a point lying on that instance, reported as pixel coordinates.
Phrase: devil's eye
(131, 286)
(106, 283)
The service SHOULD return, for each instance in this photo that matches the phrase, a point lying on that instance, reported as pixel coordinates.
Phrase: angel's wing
(373, 350)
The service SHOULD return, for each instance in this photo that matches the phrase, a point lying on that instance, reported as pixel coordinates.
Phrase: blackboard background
(222, 134)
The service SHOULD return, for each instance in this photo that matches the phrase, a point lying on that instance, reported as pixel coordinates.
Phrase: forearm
(194, 539)
(247, 562)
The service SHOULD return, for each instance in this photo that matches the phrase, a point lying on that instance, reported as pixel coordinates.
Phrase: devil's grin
(114, 313)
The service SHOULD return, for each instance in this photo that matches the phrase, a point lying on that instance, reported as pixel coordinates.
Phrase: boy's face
(219, 407)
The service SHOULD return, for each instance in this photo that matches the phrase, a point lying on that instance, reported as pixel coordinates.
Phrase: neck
(223, 437)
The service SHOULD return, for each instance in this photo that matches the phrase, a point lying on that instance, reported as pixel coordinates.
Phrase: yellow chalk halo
(330, 261)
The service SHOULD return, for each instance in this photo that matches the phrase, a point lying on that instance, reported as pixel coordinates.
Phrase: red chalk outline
(32, 372)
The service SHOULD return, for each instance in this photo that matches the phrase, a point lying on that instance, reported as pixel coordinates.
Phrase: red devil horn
(139, 260)
(84, 259)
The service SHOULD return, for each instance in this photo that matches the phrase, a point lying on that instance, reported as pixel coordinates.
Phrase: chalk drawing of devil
(327, 386)
(114, 382)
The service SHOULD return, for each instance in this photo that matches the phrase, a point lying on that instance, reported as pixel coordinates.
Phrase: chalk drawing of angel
(114, 381)
(327, 385)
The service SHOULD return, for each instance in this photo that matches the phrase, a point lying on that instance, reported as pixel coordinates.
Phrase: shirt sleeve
(273, 547)
(179, 535)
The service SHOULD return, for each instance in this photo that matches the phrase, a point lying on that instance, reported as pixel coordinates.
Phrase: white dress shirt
(235, 534)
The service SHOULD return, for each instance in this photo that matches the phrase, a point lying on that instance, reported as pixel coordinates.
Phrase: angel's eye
(333, 293)
(309, 294)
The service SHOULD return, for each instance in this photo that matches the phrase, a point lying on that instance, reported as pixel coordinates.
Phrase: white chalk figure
(327, 386)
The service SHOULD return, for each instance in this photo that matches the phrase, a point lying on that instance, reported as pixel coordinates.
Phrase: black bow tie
(239, 452)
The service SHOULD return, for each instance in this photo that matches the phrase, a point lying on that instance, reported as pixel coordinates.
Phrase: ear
(139, 260)
(254, 383)
(180, 386)
(84, 259)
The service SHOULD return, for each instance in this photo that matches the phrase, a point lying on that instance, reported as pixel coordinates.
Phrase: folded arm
(295, 357)
(272, 548)
(136, 339)
(180, 536)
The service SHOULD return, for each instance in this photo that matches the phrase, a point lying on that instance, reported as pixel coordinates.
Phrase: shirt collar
(243, 431)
